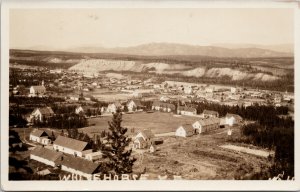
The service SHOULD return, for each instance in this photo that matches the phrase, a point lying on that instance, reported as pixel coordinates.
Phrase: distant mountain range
(218, 50)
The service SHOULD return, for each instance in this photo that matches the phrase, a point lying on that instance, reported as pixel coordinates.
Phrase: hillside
(98, 65)
(159, 49)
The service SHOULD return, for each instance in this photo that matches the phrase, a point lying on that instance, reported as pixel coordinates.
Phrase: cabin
(183, 110)
(232, 119)
(134, 105)
(71, 146)
(41, 114)
(40, 136)
(209, 113)
(37, 91)
(44, 155)
(112, 107)
(205, 125)
(78, 166)
(185, 131)
(143, 139)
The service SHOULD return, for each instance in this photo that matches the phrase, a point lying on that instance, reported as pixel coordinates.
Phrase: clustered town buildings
(76, 157)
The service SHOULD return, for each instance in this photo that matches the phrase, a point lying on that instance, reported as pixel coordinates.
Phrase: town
(60, 116)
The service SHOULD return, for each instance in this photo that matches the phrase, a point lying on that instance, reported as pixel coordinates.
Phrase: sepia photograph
(148, 91)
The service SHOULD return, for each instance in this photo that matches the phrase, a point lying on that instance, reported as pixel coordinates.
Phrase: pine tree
(120, 160)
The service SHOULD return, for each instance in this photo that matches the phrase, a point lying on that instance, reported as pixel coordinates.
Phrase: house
(188, 90)
(185, 131)
(87, 109)
(40, 136)
(71, 146)
(42, 114)
(232, 119)
(205, 125)
(112, 107)
(44, 155)
(143, 139)
(37, 91)
(183, 110)
(93, 156)
(139, 143)
(161, 106)
(78, 166)
(134, 105)
(209, 113)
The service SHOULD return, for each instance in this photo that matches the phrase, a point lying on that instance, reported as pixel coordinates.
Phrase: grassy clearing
(158, 122)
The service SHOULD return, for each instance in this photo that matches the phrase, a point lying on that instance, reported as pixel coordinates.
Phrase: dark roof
(70, 143)
(38, 133)
(209, 121)
(189, 129)
(78, 163)
(210, 112)
(184, 108)
(147, 134)
(45, 110)
(137, 102)
(45, 153)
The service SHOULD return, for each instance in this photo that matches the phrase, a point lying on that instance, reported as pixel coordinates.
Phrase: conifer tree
(120, 160)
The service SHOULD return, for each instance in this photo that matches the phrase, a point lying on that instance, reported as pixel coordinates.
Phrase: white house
(44, 155)
(232, 119)
(40, 136)
(37, 91)
(185, 131)
(134, 105)
(71, 146)
(78, 166)
(188, 90)
(112, 107)
(42, 113)
(205, 125)
(183, 110)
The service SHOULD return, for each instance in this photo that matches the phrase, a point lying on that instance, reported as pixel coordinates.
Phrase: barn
(44, 155)
(205, 125)
(185, 131)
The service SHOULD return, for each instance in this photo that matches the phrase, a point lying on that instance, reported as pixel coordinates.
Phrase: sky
(70, 28)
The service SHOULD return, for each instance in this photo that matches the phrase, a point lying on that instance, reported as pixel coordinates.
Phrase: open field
(199, 157)
(158, 122)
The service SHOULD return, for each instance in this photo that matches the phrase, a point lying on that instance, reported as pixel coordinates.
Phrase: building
(205, 125)
(139, 143)
(183, 110)
(209, 113)
(185, 131)
(40, 136)
(134, 105)
(78, 166)
(71, 146)
(143, 139)
(37, 91)
(87, 109)
(152, 148)
(112, 107)
(93, 156)
(161, 106)
(44, 155)
(232, 119)
(41, 114)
